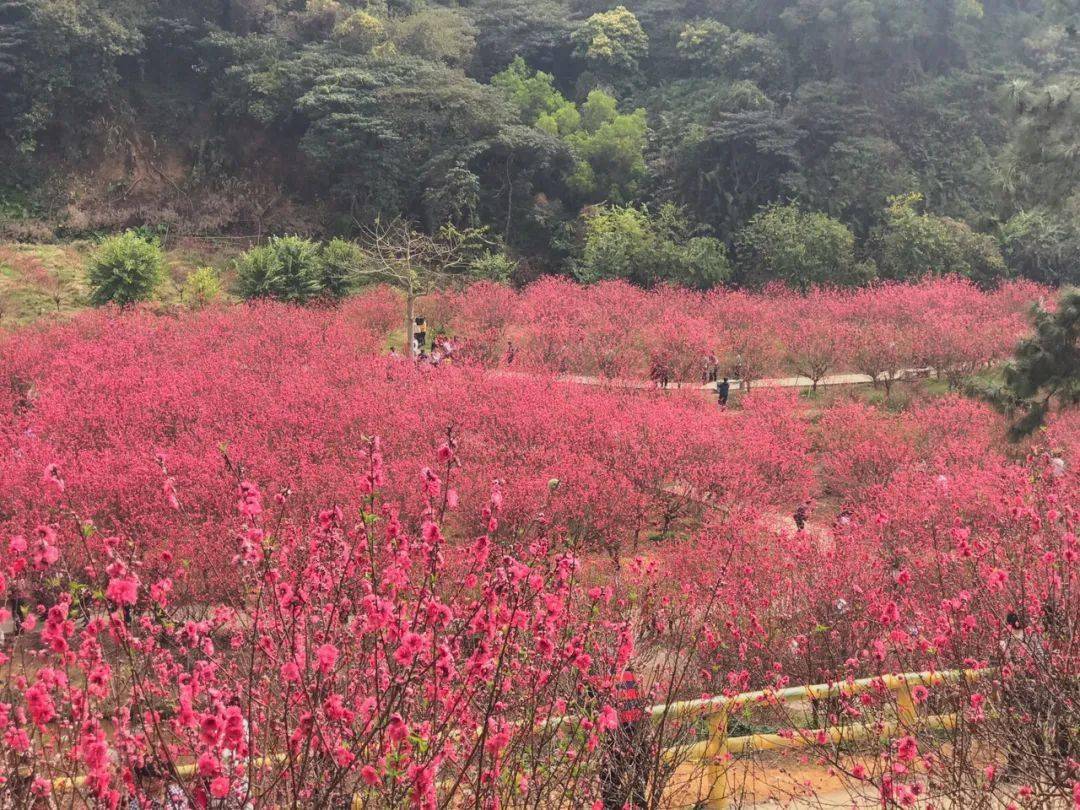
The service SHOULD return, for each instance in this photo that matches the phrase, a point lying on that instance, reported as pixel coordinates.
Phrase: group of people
(442, 346)
(443, 349)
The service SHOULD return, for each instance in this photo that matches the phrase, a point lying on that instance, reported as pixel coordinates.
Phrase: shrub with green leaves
(911, 244)
(801, 248)
(341, 263)
(201, 288)
(125, 269)
(287, 268)
(493, 266)
(632, 244)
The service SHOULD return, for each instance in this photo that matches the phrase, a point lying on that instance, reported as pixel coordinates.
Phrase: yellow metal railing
(712, 753)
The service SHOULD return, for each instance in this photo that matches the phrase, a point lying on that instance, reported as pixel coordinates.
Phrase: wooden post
(715, 767)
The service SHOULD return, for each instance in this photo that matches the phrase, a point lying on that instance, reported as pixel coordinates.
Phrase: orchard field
(257, 561)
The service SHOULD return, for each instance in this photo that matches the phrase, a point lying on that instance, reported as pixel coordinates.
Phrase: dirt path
(768, 382)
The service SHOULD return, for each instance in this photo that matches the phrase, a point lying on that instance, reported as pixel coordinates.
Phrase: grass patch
(49, 281)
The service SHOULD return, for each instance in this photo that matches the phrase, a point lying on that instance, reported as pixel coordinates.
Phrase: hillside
(39, 281)
(927, 135)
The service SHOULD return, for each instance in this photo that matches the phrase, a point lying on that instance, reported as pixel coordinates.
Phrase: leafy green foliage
(492, 266)
(628, 243)
(538, 31)
(67, 56)
(533, 94)
(402, 135)
(1042, 163)
(437, 35)
(201, 288)
(340, 265)
(610, 148)
(125, 269)
(287, 268)
(801, 248)
(1043, 245)
(360, 32)
(611, 42)
(912, 244)
(609, 145)
(713, 46)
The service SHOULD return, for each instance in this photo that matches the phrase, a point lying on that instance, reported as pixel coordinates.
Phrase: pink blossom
(327, 656)
(219, 787)
(123, 590)
(609, 719)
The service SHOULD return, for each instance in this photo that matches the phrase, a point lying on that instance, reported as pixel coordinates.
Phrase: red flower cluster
(225, 580)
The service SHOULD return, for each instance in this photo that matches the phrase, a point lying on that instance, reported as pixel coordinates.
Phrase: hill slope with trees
(745, 140)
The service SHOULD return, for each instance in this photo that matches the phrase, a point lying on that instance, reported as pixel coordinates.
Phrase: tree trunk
(410, 303)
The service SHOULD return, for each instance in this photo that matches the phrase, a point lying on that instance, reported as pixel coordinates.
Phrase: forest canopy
(809, 141)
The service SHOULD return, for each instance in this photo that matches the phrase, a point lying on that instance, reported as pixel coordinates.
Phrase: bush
(491, 266)
(912, 244)
(632, 244)
(201, 287)
(125, 269)
(287, 268)
(801, 248)
(340, 262)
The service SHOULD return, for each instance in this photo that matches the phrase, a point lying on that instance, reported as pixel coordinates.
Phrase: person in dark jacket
(723, 389)
(802, 514)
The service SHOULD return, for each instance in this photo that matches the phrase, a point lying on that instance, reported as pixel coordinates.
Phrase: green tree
(1046, 369)
(726, 170)
(402, 136)
(533, 93)
(801, 248)
(125, 269)
(912, 244)
(493, 266)
(1042, 245)
(611, 43)
(711, 45)
(536, 30)
(1041, 164)
(68, 56)
(287, 268)
(360, 32)
(437, 34)
(630, 244)
(610, 147)
(201, 288)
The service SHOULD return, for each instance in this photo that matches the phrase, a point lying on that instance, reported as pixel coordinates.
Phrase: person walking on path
(712, 369)
(802, 514)
(723, 390)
